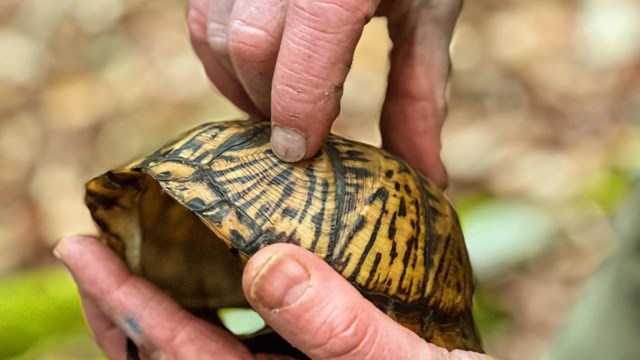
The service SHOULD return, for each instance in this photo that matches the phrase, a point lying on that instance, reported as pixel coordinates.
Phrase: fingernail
(62, 246)
(56, 253)
(281, 282)
(56, 250)
(288, 143)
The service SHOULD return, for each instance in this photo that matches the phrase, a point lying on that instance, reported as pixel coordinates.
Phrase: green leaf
(502, 233)
(241, 321)
(607, 189)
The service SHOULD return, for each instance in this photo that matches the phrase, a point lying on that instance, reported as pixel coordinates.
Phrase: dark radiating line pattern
(287, 192)
(240, 140)
(318, 218)
(430, 246)
(377, 228)
(189, 140)
(354, 180)
(366, 213)
(240, 166)
(380, 195)
(312, 188)
(340, 198)
(258, 184)
(374, 268)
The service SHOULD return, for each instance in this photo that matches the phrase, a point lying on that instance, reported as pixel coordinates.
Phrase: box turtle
(190, 214)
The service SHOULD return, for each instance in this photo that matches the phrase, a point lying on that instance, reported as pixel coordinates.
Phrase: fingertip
(68, 246)
(432, 167)
(443, 180)
(327, 317)
(315, 56)
(279, 275)
(257, 262)
(56, 250)
(299, 128)
(274, 292)
(316, 309)
(301, 121)
(411, 130)
(288, 144)
(420, 152)
(437, 173)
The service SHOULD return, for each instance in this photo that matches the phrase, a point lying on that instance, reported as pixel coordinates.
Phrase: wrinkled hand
(287, 60)
(335, 324)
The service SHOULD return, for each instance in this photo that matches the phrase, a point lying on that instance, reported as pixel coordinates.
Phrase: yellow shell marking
(385, 228)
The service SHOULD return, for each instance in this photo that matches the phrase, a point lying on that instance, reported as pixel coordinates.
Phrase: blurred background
(542, 145)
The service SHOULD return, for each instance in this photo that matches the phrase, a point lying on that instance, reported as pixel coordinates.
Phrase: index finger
(317, 48)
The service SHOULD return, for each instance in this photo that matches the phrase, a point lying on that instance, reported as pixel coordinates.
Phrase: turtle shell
(187, 215)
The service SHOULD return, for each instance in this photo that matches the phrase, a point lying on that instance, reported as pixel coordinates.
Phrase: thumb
(320, 313)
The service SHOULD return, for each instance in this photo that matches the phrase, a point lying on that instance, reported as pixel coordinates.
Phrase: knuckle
(312, 99)
(346, 12)
(345, 336)
(119, 292)
(251, 42)
(197, 21)
(217, 37)
(206, 31)
(182, 337)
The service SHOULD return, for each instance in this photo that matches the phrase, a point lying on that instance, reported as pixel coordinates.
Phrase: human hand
(288, 60)
(285, 284)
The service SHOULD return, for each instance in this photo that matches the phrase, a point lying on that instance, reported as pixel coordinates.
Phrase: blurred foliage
(604, 322)
(41, 312)
(488, 315)
(502, 233)
(541, 145)
(241, 321)
(607, 189)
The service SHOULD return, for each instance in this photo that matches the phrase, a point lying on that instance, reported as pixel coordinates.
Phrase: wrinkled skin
(118, 304)
(287, 60)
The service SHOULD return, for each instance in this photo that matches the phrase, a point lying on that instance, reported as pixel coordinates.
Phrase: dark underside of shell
(186, 214)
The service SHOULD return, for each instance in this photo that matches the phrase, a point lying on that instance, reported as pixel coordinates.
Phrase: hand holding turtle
(288, 60)
(345, 326)
(292, 72)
